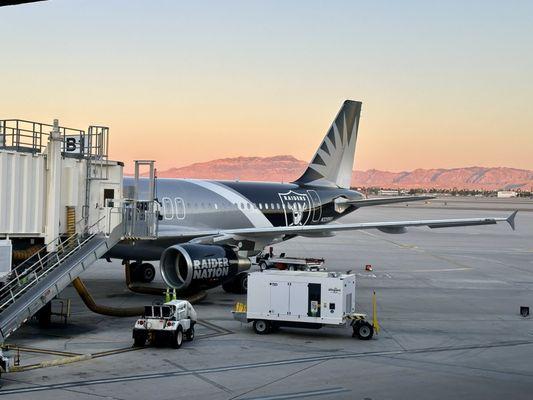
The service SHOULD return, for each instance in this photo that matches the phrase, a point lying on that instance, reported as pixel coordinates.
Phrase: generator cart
(171, 322)
(302, 299)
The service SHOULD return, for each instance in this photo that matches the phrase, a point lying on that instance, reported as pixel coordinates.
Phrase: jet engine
(197, 266)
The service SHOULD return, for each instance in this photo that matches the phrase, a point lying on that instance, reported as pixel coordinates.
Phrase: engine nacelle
(200, 265)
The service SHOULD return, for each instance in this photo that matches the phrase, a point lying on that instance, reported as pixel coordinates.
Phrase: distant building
(388, 192)
(506, 194)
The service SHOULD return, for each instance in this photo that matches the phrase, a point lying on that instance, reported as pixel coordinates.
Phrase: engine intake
(200, 265)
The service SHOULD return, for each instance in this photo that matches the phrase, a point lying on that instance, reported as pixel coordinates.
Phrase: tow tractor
(302, 299)
(171, 322)
(270, 261)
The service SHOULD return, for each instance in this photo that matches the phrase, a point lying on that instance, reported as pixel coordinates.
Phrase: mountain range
(285, 168)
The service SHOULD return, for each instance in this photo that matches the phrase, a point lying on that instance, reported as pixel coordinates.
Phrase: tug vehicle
(171, 323)
(302, 299)
(269, 260)
(284, 263)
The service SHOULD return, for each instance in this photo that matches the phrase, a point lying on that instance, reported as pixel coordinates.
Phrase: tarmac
(448, 305)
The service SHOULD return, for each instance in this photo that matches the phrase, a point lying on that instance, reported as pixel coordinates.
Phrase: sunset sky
(443, 84)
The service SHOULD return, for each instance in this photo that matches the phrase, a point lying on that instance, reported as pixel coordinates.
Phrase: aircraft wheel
(135, 271)
(363, 330)
(242, 281)
(147, 272)
(261, 327)
(229, 286)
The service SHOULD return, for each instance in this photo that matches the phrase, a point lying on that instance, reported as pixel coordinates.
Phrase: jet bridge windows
(109, 195)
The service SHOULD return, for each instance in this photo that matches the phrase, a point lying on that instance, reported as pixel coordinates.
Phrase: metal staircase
(41, 277)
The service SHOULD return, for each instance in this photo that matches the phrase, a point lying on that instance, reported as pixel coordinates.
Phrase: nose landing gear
(142, 272)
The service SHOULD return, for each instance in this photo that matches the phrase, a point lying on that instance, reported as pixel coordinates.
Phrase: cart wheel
(139, 340)
(262, 265)
(190, 334)
(363, 330)
(178, 338)
(261, 327)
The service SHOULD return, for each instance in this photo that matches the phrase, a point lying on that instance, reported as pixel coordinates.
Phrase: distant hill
(288, 168)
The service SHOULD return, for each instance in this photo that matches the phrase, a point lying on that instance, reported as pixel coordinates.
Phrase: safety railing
(29, 136)
(26, 275)
(140, 219)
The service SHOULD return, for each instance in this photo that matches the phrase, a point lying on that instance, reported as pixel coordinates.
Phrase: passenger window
(260, 206)
(266, 206)
(248, 205)
(272, 206)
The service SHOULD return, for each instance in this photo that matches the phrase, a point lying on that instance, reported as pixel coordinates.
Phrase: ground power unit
(301, 299)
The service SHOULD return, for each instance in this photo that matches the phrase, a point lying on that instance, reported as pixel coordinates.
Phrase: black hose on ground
(191, 297)
(124, 311)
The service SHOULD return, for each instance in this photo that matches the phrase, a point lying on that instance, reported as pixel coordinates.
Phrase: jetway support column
(53, 192)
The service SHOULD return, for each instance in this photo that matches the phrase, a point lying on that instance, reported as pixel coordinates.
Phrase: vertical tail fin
(333, 161)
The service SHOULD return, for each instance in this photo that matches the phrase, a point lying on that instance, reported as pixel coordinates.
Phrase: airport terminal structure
(62, 209)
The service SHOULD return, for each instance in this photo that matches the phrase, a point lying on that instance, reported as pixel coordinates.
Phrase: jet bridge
(61, 209)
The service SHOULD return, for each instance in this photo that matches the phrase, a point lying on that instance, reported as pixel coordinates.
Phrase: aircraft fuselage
(190, 204)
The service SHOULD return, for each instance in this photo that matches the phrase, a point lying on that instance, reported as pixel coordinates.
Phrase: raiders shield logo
(296, 206)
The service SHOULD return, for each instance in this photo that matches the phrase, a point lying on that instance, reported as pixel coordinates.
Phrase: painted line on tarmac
(131, 378)
(299, 395)
(461, 266)
(435, 270)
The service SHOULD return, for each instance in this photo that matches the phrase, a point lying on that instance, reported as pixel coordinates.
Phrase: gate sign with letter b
(73, 144)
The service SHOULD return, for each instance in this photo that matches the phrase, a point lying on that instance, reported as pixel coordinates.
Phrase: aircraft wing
(382, 200)
(310, 230)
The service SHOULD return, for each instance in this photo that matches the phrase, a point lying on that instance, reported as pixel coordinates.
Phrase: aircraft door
(108, 212)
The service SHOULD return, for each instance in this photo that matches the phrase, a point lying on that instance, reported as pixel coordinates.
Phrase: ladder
(41, 277)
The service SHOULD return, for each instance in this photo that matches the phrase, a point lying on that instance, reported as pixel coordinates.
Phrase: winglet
(510, 219)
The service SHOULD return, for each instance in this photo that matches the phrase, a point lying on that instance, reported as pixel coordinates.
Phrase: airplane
(208, 229)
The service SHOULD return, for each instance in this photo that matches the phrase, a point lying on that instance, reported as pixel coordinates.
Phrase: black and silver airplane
(209, 229)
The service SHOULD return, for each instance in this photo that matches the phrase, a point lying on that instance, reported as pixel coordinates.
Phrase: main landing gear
(142, 272)
(238, 284)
